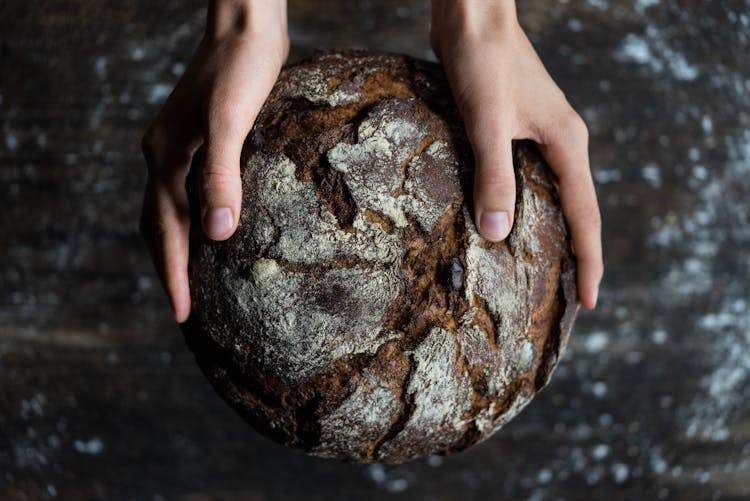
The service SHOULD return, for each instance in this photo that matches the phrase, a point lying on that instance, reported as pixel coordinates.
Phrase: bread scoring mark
(305, 231)
(371, 83)
(375, 217)
(498, 280)
(359, 420)
(312, 84)
(389, 369)
(306, 139)
(426, 142)
(431, 302)
(398, 419)
(339, 82)
(393, 148)
(335, 193)
(435, 421)
(316, 125)
(432, 181)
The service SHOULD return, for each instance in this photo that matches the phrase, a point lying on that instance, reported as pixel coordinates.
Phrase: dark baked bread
(357, 313)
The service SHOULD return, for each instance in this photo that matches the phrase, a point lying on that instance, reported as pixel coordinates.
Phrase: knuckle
(574, 125)
(217, 171)
(154, 145)
(219, 178)
(497, 180)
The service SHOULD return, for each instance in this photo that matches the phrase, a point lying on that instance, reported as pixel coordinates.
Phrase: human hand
(214, 104)
(504, 92)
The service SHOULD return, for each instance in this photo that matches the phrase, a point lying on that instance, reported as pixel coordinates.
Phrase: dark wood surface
(100, 399)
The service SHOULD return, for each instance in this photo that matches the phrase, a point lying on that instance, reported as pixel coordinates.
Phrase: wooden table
(100, 399)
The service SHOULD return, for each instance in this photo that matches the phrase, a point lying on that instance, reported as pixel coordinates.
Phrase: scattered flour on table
(653, 50)
(93, 446)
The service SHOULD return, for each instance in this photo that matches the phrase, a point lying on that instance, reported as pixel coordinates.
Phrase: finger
(147, 225)
(494, 179)
(155, 228)
(567, 153)
(221, 187)
(165, 219)
(171, 234)
(231, 112)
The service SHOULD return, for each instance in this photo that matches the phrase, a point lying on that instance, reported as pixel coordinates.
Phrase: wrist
(245, 18)
(454, 20)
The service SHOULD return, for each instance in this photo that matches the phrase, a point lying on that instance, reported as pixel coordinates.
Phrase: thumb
(235, 103)
(494, 180)
(220, 183)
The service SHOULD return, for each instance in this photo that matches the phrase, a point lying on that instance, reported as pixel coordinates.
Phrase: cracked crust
(357, 313)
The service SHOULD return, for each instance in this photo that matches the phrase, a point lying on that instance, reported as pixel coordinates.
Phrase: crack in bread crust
(357, 313)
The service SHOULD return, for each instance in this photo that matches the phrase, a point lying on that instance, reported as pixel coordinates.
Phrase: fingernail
(596, 296)
(218, 222)
(495, 225)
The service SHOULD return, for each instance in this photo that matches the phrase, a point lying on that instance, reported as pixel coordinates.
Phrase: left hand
(214, 104)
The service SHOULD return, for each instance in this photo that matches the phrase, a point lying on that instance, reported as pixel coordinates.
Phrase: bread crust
(357, 313)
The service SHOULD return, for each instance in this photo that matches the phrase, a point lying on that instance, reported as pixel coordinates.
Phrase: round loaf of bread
(356, 313)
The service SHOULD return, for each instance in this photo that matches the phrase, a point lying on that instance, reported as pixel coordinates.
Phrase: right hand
(504, 92)
(214, 104)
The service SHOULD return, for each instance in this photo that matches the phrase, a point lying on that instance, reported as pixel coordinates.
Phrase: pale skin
(500, 85)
